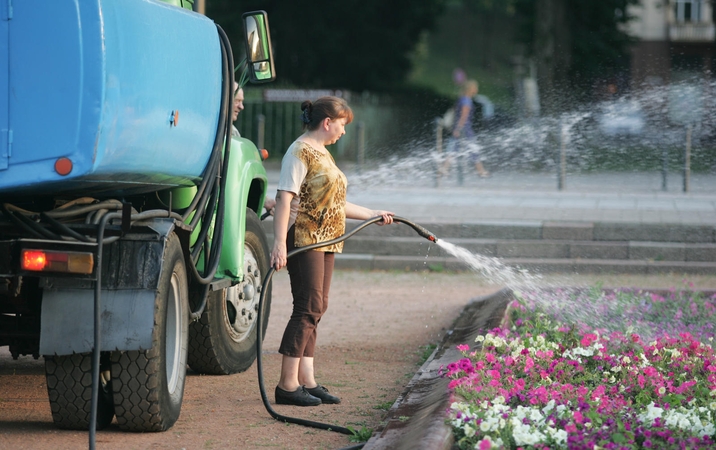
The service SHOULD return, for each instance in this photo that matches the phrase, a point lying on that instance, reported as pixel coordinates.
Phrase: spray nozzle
(420, 230)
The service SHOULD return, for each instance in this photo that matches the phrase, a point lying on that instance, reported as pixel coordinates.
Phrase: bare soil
(371, 342)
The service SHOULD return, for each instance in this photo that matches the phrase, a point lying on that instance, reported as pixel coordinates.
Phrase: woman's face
(336, 129)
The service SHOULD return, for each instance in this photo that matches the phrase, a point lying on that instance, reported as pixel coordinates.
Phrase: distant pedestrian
(311, 207)
(464, 143)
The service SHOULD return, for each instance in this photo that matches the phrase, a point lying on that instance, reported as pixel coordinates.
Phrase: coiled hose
(259, 323)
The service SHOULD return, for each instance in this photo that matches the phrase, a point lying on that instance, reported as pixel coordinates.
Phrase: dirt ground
(371, 342)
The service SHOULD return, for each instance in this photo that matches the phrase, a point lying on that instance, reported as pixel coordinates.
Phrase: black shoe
(322, 393)
(299, 397)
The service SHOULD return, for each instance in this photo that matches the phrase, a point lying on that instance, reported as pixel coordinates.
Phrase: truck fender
(245, 187)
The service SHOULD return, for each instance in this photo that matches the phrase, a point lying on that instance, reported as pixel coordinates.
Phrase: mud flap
(67, 320)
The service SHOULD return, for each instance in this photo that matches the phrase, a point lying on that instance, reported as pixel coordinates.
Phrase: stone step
(533, 248)
(566, 247)
(534, 266)
(569, 231)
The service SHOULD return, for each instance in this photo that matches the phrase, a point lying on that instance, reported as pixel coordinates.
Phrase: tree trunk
(552, 51)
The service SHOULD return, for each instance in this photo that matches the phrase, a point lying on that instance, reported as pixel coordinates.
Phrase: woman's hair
(332, 107)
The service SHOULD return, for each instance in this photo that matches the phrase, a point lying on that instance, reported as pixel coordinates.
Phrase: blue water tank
(125, 94)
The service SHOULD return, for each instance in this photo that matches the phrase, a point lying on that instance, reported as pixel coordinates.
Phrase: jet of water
(621, 310)
(492, 268)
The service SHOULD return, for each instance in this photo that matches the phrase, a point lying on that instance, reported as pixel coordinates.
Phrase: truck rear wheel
(148, 385)
(223, 341)
(69, 387)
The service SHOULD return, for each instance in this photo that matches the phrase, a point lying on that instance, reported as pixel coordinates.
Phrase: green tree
(492, 16)
(575, 43)
(353, 44)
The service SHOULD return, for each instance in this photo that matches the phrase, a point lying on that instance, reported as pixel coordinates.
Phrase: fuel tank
(105, 97)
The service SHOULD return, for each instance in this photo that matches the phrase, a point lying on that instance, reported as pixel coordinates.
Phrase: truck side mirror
(258, 47)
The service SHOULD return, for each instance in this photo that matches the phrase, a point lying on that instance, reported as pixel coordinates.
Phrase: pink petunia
(578, 417)
(598, 392)
(588, 339)
(529, 363)
(463, 347)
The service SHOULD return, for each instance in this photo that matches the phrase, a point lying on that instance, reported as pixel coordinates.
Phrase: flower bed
(548, 380)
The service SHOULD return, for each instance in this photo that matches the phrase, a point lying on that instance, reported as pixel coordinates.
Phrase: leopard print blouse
(322, 199)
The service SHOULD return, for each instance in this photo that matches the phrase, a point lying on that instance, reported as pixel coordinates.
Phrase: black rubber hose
(20, 223)
(201, 238)
(97, 318)
(30, 225)
(259, 321)
(211, 264)
(62, 228)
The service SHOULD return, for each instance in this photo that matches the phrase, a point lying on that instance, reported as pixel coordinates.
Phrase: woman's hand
(387, 217)
(269, 205)
(278, 255)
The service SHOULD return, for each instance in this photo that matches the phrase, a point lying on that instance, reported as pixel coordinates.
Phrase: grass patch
(385, 406)
(361, 435)
(425, 352)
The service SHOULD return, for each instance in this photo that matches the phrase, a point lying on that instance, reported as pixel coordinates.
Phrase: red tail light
(56, 261)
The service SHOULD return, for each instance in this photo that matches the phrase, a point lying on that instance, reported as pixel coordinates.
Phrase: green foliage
(475, 36)
(598, 37)
(589, 37)
(353, 44)
(385, 406)
(361, 435)
(426, 351)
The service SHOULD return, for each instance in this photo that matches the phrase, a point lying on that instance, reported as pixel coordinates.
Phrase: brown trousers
(310, 274)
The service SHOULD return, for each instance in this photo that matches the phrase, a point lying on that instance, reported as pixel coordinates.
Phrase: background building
(676, 40)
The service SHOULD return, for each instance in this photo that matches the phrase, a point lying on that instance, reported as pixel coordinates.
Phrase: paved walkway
(510, 196)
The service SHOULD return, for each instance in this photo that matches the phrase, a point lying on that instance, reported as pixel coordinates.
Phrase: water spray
(259, 321)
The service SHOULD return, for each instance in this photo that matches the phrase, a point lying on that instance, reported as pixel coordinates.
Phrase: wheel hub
(243, 298)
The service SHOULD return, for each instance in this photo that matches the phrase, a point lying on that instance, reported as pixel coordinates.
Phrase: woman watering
(311, 207)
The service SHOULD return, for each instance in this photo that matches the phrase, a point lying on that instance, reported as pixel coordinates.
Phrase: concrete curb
(417, 418)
